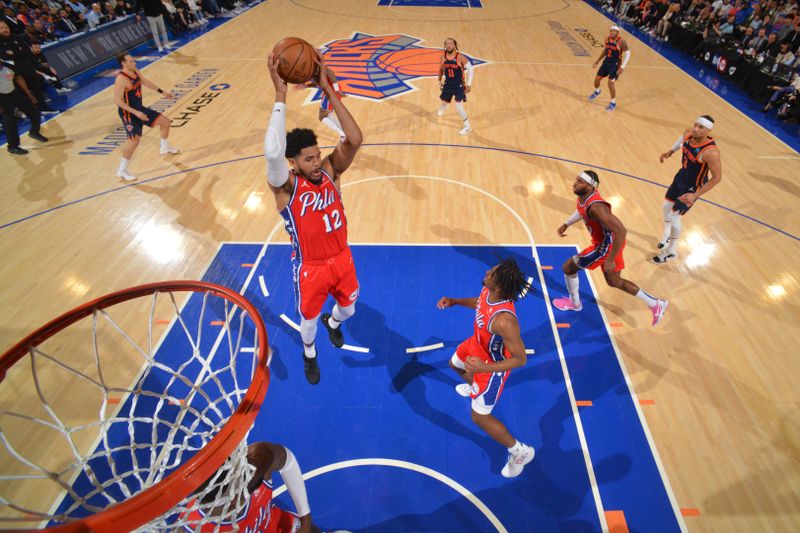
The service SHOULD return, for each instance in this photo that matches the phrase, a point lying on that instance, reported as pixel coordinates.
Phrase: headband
(614, 28)
(705, 122)
(588, 179)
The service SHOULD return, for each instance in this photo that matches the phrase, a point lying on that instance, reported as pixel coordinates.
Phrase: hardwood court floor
(720, 369)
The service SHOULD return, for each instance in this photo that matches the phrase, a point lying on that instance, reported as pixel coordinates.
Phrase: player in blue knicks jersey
(134, 114)
(458, 73)
(615, 56)
(700, 158)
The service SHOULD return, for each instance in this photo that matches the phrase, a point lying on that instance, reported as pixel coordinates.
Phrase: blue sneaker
(594, 95)
(612, 106)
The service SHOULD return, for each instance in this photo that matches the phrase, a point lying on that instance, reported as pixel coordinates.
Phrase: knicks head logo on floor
(377, 67)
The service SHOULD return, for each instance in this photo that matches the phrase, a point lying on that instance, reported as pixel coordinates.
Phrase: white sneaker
(517, 462)
(465, 130)
(464, 389)
(440, 112)
(125, 176)
(169, 150)
(160, 50)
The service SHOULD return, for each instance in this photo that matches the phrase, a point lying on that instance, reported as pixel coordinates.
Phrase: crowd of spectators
(764, 31)
(43, 21)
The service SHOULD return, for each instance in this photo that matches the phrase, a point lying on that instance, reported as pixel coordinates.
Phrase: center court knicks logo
(377, 67)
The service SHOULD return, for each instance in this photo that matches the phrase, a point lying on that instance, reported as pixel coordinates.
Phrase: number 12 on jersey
(337, 221)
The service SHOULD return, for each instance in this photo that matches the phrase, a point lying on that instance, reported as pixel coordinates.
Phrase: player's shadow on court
(178, 196)
(555, 484)
(182, 59)
(409, 375)
(456, 236)
(44, 179)
(782, 184)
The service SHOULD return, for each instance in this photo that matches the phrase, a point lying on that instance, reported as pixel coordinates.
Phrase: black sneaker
(334, 334)
(39, 137)
(311, 368)
(16, 150)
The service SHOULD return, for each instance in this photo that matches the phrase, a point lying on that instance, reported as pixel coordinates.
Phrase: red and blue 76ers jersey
(314, 219)
(485, 312)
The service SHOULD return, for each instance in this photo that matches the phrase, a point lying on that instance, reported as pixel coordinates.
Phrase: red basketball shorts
(315, 280)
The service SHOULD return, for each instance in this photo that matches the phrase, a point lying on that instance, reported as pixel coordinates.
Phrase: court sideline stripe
(444, 145)
(636, 404)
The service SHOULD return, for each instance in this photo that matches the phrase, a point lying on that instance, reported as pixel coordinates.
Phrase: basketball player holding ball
(308, 198)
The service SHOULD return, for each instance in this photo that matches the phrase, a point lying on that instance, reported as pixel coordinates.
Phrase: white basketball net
(142, 431)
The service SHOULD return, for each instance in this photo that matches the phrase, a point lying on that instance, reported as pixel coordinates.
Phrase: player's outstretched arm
(275, 141)
(445, 302)
(675, 147)
(343, 154)
(150, 85)
(269, 458)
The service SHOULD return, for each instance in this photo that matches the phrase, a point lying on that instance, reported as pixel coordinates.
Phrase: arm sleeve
(573, 218)
(293, 478)
(275, 147)
(677, 145)
(626, 55)
(470, 72)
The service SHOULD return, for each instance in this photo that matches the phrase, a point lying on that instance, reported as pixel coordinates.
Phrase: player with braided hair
(484, 360)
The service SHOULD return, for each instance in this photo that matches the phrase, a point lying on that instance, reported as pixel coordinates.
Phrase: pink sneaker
(658, 311)
(566, 304)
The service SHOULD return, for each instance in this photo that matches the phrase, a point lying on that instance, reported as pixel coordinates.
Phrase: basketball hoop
(180, 419)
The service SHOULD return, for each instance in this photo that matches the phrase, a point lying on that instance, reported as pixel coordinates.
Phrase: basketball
(295, 60)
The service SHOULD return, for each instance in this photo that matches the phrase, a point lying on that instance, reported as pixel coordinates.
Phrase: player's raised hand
(562, 230)
(445, 302)
(280, 85)
(324, 81)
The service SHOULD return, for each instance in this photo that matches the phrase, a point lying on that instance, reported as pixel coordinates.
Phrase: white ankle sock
(572, 287)
(123, 165)
(647, 298)
(516, 448)
(164, 144)
(310, 351)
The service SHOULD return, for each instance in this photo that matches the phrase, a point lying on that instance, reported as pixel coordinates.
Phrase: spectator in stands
(10, 18)
(64, 25)
(194, 8)
(175, 19)
(780, 92)
(95, 17)
(758, 42)
(663, 26)
(712, 36)
(785, 56)
(773, 47)
(745, 37)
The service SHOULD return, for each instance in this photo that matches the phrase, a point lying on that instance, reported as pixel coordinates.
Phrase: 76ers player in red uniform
(608, 242)
(485, 359)
(309, 200)
(260, 515)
